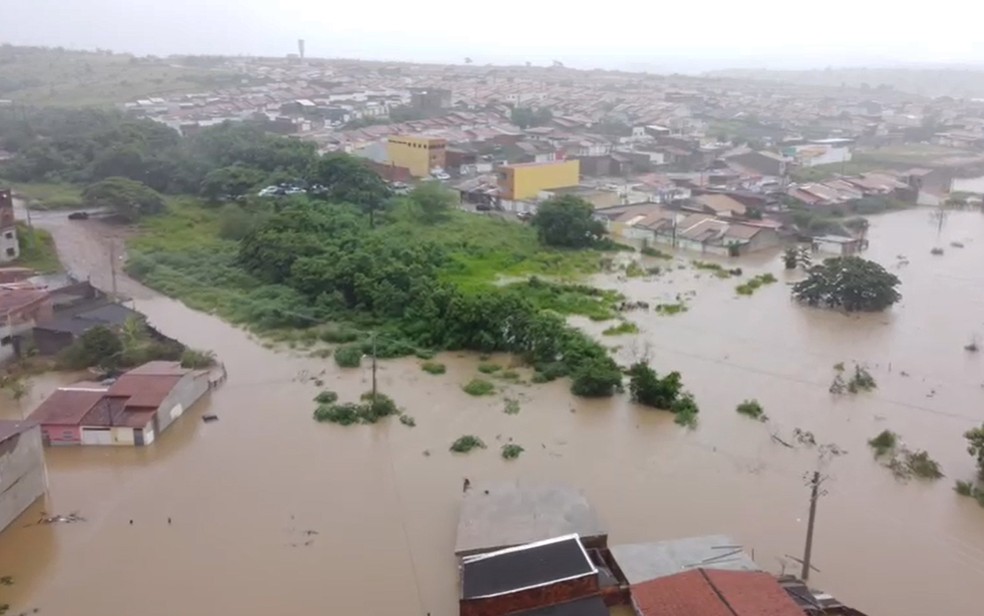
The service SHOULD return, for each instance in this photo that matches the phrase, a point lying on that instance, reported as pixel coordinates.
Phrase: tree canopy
(349, 180)
(127, 198)
(567, 222)
(851, 284)
(527, 117)
(975, 447)
(433, 200)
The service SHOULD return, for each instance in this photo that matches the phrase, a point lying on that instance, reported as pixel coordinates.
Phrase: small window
(5, 341)
(9, 235)
(10, 252)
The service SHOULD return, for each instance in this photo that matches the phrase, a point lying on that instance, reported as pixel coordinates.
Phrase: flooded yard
(274, 513)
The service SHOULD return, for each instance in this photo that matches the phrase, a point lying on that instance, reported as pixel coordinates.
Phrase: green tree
(567, 222)
(233, 181)
(975, 447)
(127, 198)
(598, 377)
(648, 389)
(347, 179)
(527, 117)
(433, 200)
(852, 284)
(98, 346)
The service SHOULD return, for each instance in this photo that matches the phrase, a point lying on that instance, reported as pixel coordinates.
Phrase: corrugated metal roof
(641, 562)
(143, 390)
(68, 405)
(13, 428)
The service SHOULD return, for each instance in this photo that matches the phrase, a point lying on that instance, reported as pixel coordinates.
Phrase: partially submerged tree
(975, 447)
(567, 222)
(127, 198)
(851, 284)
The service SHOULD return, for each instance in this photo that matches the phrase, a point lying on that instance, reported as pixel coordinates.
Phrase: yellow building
(526, 180)
(418, 154)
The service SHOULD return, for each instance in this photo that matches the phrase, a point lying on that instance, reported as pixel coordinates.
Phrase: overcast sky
(683, 35)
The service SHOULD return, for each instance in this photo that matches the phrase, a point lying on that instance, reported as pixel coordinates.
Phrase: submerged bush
(348, 356)
(479, 387)
(884, 442)
(466, 443)
(511, 451)
(751, 408)
(488, 367)
(326, 397)
(433, 367)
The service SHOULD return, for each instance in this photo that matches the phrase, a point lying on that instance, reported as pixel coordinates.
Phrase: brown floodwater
(243, 491)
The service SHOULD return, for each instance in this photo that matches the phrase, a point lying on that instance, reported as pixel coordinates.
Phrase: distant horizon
(710, 65)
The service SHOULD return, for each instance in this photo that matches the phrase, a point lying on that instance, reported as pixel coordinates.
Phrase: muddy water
(242, 491)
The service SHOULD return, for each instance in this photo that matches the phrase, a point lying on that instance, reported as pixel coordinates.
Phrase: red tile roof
(12, 300)
(68, 405)
(709, 592)
(143, 390)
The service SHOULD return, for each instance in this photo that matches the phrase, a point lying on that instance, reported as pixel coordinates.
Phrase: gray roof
(641, 562)
(505, 514)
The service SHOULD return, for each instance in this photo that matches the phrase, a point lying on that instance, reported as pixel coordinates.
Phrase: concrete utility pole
(112, 264)
(808, 549)
(374, 370)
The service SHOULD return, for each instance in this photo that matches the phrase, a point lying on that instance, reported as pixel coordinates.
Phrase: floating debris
(936, 251)
(62, 519)
(210, 418)
(957, 244)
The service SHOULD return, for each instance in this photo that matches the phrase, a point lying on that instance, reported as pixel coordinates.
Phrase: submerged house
(130, 410)
(22, 474)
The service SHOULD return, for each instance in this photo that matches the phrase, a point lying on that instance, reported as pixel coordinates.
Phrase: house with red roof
(131, 410)
(713, 592)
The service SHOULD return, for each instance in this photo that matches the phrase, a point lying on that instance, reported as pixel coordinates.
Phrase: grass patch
(752, 408)
(508, 375)
(884, 442)
(512, 407)
(195, 359)
(433, 367)
(489, 367)
(464, 444)
(50, 196)
(37, 250)
(670, 309)
(511, 451)
(596, 304)
(479, 387)
(749, 287)
(625, 327)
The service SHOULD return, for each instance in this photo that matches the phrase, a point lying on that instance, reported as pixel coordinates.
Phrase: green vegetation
(132, 346)
(487, 367)
(57, 76)
(466, 443)
(527, 117)
(326, 397)
(37, 250)
(597, 377)
(512, 407)
(754, 283)
(195, 359)
(479, 387)
(348, 356)
(861, 380)
(596, 304)
(964, 488)
(408, 421)
(366, 411)
(433, 367)
(919, 464)
(511, 451)
(884, 442)
(975, 447)
(685, 410)
(851, 284)
(41, 196)
(649, 251)
(567, 222)
(670, 309)
(128, 199)
(752, 408)
(625, 327)
(508, 375)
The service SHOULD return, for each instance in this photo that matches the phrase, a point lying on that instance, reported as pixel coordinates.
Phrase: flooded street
(243, 491)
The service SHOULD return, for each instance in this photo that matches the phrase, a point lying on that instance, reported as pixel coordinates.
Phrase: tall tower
(9, 248)
(300, 48)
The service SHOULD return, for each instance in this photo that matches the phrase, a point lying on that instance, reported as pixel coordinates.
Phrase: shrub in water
(433, 367)
(479, 387)
(326, 397)
(466, 443)
(751, 408)
(511, 451)
(348, 356)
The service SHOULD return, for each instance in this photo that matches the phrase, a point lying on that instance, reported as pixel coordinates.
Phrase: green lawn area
(48, 196)
(37, 250)
(76, 78)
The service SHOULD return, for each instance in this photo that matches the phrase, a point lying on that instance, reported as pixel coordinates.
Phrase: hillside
(42, 76)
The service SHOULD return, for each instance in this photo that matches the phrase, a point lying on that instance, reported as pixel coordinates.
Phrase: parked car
(78, 216)
(269, 191)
